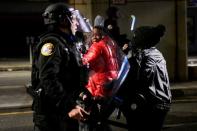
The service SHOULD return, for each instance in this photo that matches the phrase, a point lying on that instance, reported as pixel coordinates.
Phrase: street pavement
(15, 96)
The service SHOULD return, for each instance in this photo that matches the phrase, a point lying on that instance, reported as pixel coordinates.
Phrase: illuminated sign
(119, 1)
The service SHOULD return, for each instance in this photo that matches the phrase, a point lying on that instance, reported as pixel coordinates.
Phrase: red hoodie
(102, 60)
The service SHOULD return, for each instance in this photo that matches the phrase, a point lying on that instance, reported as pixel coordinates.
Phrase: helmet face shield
(79, 23)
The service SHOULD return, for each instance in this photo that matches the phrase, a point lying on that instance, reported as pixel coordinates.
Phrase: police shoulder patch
(47, 49)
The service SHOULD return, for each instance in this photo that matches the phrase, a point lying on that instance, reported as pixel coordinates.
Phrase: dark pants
(53, 123)
(144, 118)
(98, 119)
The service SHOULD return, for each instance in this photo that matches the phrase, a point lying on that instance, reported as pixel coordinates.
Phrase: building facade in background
(21, 23)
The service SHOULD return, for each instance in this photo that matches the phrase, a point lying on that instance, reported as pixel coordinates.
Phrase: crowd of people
(73, 84)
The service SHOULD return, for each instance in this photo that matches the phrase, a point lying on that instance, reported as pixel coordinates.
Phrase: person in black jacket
(56, 73)
(149, 97)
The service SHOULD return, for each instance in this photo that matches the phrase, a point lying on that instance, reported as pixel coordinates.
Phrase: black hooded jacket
(148, 76)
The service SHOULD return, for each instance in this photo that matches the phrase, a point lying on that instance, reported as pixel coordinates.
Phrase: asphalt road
(182, 117)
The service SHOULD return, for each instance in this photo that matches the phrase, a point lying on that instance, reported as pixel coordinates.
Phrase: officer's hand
(125, 46)
(78, 113)
(83, 96)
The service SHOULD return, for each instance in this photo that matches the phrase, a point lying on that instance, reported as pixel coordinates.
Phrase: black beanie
(147, 36)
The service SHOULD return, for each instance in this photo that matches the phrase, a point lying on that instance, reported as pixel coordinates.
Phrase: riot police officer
(54, 69)
(111, 25)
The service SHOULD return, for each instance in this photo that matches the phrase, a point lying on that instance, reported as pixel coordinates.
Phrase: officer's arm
(49, 61)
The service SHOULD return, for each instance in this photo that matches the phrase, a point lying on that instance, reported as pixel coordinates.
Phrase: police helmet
(57, 13)
(111, 12)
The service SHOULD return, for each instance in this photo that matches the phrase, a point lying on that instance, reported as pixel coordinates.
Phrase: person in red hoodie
(102, 60)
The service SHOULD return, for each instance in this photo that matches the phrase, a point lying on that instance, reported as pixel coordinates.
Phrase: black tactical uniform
(111, 23)
(111, 26)
(55, 76)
